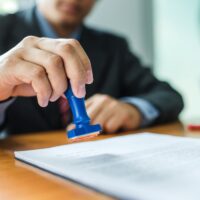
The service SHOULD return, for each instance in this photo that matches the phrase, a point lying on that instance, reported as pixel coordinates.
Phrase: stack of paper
(143, 166)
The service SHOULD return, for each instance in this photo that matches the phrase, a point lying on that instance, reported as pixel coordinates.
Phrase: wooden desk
(23, 182)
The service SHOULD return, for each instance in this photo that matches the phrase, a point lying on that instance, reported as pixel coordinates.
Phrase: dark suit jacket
(117, 72)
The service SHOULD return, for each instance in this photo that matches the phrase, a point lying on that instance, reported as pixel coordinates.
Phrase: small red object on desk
(194, 127)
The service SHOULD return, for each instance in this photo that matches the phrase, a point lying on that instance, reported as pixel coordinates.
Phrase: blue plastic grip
(80, 116)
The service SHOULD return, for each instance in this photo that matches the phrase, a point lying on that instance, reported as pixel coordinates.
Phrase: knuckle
(86, 63)
(74, 42)
(39, 40)
(97, 95)
(29, 39)
(106, 98)
(67, 48)
(54, 61)
(10, 61)
(21, 50)
(39, 73)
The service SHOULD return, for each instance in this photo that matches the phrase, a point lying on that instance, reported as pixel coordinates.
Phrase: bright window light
(8, 6)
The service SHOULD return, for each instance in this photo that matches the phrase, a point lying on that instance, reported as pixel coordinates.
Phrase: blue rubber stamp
(84, 130)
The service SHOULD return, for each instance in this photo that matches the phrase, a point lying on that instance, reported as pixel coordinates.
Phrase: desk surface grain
(24, 182)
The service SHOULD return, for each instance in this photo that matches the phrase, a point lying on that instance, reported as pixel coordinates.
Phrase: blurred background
(164, 33)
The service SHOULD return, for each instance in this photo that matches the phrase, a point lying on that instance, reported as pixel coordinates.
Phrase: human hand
(112, 114)
(41, 66)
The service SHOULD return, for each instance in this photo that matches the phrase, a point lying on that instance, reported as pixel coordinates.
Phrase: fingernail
(45, 103)
(89, 77)
(81, 91)
(54, 98)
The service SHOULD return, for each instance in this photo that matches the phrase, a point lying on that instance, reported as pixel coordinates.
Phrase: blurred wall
(131, 18)
(177, 49)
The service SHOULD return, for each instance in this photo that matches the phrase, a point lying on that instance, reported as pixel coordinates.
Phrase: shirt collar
(48, 31)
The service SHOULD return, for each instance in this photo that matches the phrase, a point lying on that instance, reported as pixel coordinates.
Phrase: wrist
(134, 116)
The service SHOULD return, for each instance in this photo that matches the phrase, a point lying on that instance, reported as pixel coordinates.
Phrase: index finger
(83, 56)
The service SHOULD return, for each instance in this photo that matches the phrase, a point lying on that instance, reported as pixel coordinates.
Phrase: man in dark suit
(124, 94)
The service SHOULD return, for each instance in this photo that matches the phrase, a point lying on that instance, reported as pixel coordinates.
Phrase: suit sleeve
(6, 22)
(138, 81)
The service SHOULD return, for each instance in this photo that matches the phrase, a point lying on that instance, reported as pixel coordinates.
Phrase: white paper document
(142, 167)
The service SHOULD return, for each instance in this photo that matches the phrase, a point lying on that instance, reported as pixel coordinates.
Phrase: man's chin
(69, 25)
(67, 21)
